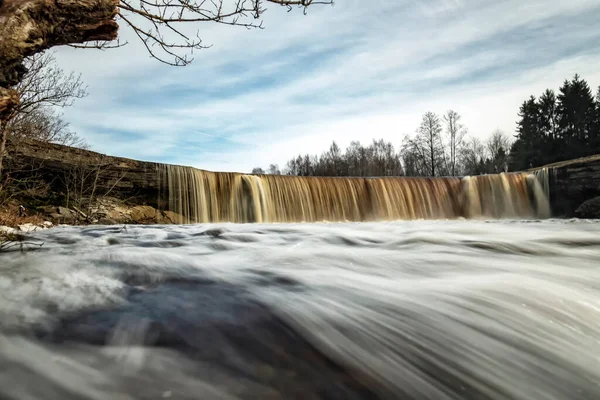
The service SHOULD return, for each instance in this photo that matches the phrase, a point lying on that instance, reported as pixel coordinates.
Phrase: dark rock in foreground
(214, 323)
(571, 183)
(590, 209)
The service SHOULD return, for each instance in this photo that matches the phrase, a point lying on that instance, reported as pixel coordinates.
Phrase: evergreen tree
(556, 128)
(526, 150)
(577, 111)
(549, 126)
(595, 140)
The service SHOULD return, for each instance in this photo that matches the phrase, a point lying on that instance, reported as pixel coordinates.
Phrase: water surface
(399, 310)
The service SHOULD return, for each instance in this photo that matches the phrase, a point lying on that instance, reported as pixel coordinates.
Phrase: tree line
(549, 129)
(440, 147)
(557, 127)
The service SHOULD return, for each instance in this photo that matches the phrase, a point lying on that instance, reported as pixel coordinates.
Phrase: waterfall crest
(197, 196)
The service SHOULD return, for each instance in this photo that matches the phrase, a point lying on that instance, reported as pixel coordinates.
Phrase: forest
(554, 127)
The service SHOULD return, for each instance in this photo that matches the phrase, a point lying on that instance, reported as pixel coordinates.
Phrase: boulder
(28, 228)
(590, 209)
(7, 230)
(170, 217)
(65, 213)
(143, 214)
(49, 210)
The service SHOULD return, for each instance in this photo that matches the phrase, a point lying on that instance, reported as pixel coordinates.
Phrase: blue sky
(355, 71)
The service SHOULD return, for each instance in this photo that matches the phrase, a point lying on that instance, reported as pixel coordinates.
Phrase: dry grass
(9, 216)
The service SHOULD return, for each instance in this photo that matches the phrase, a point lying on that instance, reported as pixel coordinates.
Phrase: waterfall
(194, 196)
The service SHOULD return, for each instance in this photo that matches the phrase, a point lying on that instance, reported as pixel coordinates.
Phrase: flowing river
(458, 309)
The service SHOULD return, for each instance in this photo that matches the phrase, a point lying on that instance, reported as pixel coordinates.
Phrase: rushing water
(195, 195)
(401, 310)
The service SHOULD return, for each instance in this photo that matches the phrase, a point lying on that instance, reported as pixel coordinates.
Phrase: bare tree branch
(45, 84)
(151, 21)
(43, 88)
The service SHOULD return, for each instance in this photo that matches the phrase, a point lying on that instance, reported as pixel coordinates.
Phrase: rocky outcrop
(571, 183)
(110, 211)
(73, 175)
(590, 209)
(82, 187)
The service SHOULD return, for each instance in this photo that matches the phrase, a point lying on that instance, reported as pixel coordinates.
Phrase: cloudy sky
(355, 71)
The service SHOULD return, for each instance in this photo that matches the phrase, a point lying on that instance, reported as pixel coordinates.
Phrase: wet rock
(170, 217)
(65, 214)
(113, 211)
(217, 232)
(590, 209)
(143, 214)
(27, 228)
(7, 230)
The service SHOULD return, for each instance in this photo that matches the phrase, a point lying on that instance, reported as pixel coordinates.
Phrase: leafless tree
(472, 154)
(427, 145)
(412, 162)
(498, 147)
(302, 165)
(377, 159)
(44, 87)
(80, 182)
(357, 157)
(46, 84)
(455, 132)
(257, 171)
(82, 187)
(47, 126)
(274, 170)
(384, 161)
(24, 181)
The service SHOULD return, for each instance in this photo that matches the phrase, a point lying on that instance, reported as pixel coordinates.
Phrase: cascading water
(197, 196)
(372, 311)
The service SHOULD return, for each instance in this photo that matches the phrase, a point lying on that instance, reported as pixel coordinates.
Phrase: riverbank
(65, 185)
(108, 211)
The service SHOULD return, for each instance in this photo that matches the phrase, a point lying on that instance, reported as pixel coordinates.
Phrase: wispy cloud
(355, 71)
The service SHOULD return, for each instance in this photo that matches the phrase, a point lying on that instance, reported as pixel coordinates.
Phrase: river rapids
(400, 310)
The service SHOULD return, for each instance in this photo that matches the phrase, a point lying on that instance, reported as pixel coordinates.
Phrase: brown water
(204, 196)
